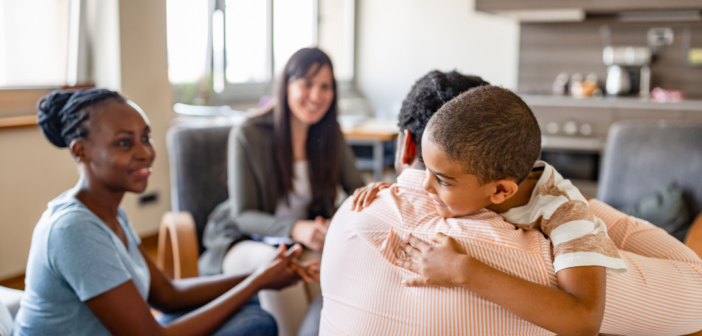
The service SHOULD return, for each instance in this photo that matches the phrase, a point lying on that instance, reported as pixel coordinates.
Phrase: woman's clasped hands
(286, 270)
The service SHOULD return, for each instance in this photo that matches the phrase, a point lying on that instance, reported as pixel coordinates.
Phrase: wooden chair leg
(177, 246)
(694, 236)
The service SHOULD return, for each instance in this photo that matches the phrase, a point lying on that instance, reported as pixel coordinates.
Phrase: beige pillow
(5, 321)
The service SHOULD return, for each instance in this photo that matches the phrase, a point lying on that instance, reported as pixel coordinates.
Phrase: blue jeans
(248, 320)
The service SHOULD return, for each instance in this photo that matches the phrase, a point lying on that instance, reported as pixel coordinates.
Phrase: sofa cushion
(666, 208)
(5, 321)
(10, 298)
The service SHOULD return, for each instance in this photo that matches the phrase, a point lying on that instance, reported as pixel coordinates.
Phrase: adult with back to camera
(87, 272)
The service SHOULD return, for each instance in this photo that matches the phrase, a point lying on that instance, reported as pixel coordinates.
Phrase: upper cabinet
(575, 10)
(586, 5)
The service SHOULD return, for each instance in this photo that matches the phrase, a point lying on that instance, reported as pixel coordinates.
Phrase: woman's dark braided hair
(428, 94)
(61, 113)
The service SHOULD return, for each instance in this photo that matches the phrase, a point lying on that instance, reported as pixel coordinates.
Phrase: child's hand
(437, 265)
(363, 196)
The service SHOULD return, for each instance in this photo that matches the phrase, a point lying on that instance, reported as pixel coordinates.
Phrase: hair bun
(49, 118)
(61, 112)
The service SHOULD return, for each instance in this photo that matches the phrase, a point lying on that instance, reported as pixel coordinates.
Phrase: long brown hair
(323, 138)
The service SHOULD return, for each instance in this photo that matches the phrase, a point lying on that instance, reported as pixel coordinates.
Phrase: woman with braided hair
(88, 273)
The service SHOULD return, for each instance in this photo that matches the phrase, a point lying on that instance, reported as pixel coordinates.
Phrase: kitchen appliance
(628, 70)
(618, 80)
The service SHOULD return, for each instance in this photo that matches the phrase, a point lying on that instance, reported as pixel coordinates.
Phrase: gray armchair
(198, 165)
(642, 157)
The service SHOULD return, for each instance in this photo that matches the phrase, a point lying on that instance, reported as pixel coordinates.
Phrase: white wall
(399, 41)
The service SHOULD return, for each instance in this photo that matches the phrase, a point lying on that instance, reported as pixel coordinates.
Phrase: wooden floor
(150, 244)
(16, 282)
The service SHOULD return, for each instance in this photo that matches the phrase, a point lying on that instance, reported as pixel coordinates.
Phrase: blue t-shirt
(74, 257)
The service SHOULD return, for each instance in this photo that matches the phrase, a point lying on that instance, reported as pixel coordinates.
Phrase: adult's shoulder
(65, 211)
(73, 222)
(72, 231)
(256, 127)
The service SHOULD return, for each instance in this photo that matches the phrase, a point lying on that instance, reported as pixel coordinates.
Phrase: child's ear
(504, 189)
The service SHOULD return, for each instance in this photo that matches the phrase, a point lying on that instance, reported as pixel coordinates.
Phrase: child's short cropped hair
(490, 131)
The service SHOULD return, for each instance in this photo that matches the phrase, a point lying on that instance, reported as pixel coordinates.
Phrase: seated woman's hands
(311, 233)
(435, 264)
(284, 270)
(363, 196)
(307, 270)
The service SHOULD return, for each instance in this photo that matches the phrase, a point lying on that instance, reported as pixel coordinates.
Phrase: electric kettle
(618, 80)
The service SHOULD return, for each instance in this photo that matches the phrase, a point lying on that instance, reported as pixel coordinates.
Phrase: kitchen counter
(611, 102)
(574, 124)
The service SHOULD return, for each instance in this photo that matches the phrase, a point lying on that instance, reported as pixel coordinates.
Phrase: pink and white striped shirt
(363, 295)
(361, 284)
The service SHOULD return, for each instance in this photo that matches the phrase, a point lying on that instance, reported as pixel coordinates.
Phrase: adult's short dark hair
(428, 94)
(62, 113)
(490, 131)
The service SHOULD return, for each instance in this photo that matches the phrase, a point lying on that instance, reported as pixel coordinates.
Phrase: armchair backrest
(642, 157)
(198, 165)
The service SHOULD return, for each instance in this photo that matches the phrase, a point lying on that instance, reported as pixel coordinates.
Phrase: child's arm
(363, 196)
(576, 309)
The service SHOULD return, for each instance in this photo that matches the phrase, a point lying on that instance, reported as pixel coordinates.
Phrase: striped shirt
(558, 209)
(363, 295)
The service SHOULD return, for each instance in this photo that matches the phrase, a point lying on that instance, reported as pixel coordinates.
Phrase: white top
(559, 210)
(300, 197)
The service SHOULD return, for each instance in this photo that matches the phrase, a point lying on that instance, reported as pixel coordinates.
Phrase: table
(375, 133)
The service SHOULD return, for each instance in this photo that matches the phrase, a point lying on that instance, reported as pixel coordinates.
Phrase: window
(336, 35)
(247, 32)
(35, 57)
(187, 40)
(294, 27)
(236, 48)
(34, 43)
